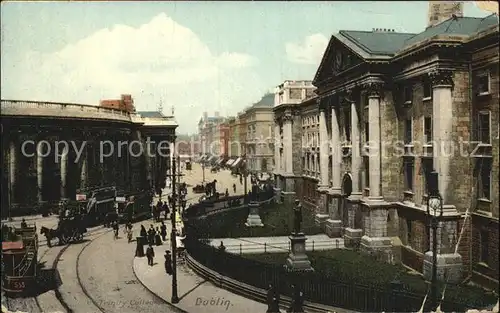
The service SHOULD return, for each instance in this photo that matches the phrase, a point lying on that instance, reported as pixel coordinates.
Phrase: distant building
(125, 103)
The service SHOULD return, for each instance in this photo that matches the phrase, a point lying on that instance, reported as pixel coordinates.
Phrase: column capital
(374, 89)
(287, 117)
(441, 78)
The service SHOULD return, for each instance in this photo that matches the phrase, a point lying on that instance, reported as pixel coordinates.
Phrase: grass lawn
(277, 220)
(350, 266)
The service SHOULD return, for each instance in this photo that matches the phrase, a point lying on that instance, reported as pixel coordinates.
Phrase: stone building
(395, 107)
(52, 151)
(209, 133)
(259, 135)
(288, 137)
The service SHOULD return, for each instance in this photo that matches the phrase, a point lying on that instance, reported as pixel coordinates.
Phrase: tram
(19, 260)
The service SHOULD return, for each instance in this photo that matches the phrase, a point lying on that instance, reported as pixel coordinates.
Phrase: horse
(49, 234)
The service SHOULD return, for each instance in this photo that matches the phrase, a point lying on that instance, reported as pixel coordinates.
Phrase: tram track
(63, 297)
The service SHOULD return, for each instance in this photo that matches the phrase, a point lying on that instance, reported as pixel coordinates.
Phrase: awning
(229, 162)
(238, 160)
(219, 161)
(203, 157)
(212, 159)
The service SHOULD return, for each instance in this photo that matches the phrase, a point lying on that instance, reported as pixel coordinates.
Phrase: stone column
(84, 171)
(442, 101)
(352, 236)
(277, 163)
(277, 160)
(13, 160)
(374, 95)
(449, 262)
(289, 180)
(324, 151)
(64, 173)
(40, 153)
(334, 224)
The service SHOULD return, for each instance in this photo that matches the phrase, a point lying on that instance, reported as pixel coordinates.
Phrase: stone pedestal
(253, 219)
(352, 237)
(320, 220)
(381, 247)
(288, 198)
(449, 267)
(297, 259)
(333, 228)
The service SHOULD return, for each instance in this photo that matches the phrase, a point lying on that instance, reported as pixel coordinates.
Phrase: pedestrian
(234, 188)
(158, 241)
(129, 232)
(24, 224)
(143, 232)
(227, 193)
(115, 229)
(166, 210)
(163, 231)
(150, 254)
(168, 263)
(151, 235)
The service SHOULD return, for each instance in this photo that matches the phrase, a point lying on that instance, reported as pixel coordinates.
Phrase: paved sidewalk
(276, 244)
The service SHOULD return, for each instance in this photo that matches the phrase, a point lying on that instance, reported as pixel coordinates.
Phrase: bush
(348, 267)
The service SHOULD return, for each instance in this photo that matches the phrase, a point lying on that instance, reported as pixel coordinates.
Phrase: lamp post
(173, 235)
(203, 168)
(434, 213)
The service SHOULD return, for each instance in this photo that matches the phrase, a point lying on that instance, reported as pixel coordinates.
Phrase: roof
(151, 114)
(386, 44)
(267, 102)
(377, 43)
(466, 26)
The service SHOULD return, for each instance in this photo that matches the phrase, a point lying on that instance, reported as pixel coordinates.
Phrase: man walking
(163, 231)
(150, 254)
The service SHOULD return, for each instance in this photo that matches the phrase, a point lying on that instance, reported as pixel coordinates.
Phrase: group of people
(154, 236)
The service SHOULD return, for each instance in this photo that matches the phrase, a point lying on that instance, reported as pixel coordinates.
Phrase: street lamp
(434, 213)
(173, 235)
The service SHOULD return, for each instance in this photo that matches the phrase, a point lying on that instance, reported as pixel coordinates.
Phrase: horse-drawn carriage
(69, 229)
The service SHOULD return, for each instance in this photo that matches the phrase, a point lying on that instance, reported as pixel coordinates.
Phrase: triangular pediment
(336, 59)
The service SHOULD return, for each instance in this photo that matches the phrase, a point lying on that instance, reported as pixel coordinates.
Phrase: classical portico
(57, 150)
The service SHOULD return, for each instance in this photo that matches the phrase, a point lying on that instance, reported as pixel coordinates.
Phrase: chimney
(440, 11)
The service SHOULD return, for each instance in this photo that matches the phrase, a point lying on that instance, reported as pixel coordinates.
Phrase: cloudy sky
(193, 56)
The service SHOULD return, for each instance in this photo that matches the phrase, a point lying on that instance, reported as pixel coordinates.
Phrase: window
(483, 257)
(483, 123)
(367, 131)
(408, 232)
(483, 83)
(427, 168)
(409, 165)
(407, 93)
(408, 133)
(427, 90)
(484, 179)
(347, 124)
(427, 130)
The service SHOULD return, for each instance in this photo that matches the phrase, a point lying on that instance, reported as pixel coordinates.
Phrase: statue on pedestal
(297, 217)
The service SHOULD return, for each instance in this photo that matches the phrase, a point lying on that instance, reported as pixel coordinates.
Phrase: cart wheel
(64, 238)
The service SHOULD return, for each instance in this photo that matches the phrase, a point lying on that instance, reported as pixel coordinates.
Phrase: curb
(175, 307)
(251, 292)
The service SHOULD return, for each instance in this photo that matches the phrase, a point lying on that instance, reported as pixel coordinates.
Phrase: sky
(190, 56)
